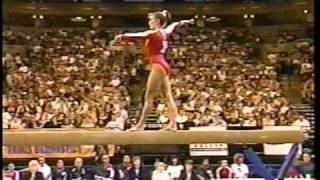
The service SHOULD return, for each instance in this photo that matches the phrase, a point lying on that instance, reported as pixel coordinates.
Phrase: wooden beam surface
(101, 136)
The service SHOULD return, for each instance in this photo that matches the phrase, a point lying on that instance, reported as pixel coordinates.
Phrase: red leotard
(156, 45)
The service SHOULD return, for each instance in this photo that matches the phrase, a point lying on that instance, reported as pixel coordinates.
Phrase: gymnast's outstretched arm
(133, 37)
(170, 28)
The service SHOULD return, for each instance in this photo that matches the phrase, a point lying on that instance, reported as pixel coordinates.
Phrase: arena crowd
(73, 79)
(132, 168)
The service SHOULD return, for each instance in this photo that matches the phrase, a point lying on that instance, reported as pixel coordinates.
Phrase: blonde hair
(33, 163)
(164, 16)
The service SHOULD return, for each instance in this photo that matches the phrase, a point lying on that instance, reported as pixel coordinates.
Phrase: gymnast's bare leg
(172, 107)
(152, 90)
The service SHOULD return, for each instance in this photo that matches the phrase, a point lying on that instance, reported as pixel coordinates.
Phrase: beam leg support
(258, 165)
(289, 159)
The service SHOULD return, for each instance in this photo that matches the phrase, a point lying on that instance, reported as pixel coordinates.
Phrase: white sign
(210, 149)
(279, 149)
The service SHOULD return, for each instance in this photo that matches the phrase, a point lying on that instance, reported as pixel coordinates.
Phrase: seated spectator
(6, 118)
(115, 125)
(306, 167)
(189, 173)
(52, 123)
(105, 170)
(182, 117)
(239, 168)
(160, 173)
(60, 172)
(32, 172)
(138, 171)
(11, 173)
(205, 170)
(223, 171)
(293, 172)
(78, 172)
(308, 93)
(125, 166)
(174, 168)
(303, 123)
(44, 168)
(163, 119)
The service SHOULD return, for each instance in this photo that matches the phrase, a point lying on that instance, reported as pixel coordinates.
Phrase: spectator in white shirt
(160, 173)
(160, 108)
(182, 117)
(120, 119)
(115, 124)
(44, 168)
(163, 118)
(175, 168)
(124, 113)
(6, 118)
(304, 124)
(239, 169)
(115, 82)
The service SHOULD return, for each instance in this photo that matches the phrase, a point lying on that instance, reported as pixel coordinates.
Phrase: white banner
(210, 149)
(279, 149)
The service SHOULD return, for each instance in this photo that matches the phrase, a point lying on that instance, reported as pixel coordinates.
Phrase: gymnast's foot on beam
(137, 127)
(170, 127)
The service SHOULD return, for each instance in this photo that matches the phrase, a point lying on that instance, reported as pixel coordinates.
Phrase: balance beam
(102, 136)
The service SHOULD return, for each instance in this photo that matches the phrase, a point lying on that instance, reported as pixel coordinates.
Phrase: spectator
(60, 172)
(293, 172)
(306, 167)
(52, 123)
(205, 170)
(189, 173)
(308, 94)
(32, 172)
(239, 169)
(175, 168)
(11, 173)
(223, 171)
(44, 168)
(106, 170)
(303, 123)
(125, 166)
(160, 173)
(78, 172)
(138, 171)
(115, 125)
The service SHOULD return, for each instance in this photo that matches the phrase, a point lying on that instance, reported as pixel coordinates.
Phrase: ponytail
(164, 16)
(167, 15)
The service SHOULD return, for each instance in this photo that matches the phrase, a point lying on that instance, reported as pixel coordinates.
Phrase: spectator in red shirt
(223, 171)
(11, 173)
(293, 172)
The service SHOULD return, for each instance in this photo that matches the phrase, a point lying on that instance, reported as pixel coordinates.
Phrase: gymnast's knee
(148, 100)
